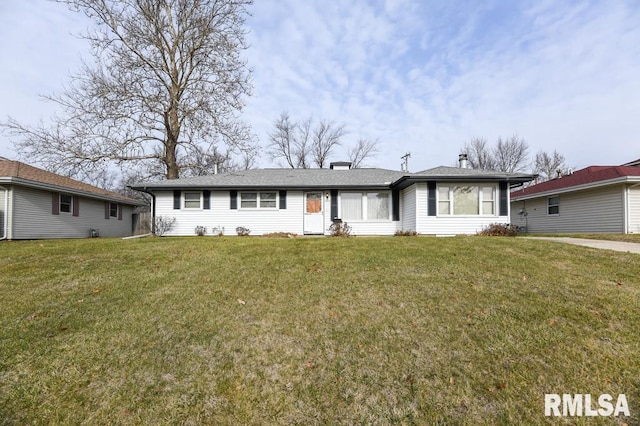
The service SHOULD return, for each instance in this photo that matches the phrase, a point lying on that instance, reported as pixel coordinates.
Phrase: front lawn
(403, 330)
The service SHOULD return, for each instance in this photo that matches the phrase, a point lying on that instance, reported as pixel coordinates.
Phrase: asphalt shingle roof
(321, 178)
(16, 171)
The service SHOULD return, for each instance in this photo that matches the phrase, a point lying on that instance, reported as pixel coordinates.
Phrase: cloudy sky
(423, 76)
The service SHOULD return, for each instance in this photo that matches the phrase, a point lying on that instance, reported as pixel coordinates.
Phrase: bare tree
(301, 144)
(479, 154)
(326, 137)
(546, 165)
(511, 155)
(163, 94)
(361, 151)
(290, 141)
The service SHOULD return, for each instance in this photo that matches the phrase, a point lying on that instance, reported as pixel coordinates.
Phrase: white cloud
(423, 76)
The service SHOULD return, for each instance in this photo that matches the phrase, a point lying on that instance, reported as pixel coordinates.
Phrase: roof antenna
(405, 162)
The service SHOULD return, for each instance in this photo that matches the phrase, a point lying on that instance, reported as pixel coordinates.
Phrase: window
(367, 206)
(553, 205)
(255, 200)
(65, 203)
(378, 206)
(113, 209)
(467, 200)
(192, 200)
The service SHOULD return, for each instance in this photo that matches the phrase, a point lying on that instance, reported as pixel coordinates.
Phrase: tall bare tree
(508, 155)
(362, 150)
(326, 136)
(479, 154)
(163, 94)
(547, 165)
(303, 145)
(511, 154)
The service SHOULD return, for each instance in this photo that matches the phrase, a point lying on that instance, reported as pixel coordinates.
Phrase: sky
(422, 76)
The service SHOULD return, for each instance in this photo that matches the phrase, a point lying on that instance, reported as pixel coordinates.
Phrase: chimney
(463, 160)
(340, 165)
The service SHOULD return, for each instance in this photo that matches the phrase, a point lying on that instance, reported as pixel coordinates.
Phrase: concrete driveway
(599, 244)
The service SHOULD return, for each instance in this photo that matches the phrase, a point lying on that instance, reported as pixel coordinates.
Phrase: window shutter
(206, 203)
(106, 210)
(75, 201)
(395, 205)
(334, 204)
(55, 203)
(176, 200)
(234, 200)
(283, 200)
(431, 198)
(119, 211)
(504, 204)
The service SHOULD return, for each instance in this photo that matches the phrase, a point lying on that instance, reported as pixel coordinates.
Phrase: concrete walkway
(599, 244)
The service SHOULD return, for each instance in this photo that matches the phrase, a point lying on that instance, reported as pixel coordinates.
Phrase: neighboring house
(439, 201)
(36, 204)
(597, 199)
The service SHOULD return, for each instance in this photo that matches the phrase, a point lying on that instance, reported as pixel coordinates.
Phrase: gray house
(36, 204)
(596, 199)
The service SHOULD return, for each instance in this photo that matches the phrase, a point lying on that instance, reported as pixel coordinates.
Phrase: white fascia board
(618, 180)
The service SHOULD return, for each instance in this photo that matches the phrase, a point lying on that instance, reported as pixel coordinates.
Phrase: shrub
(499, 230)
(242, 231)
(201, 230)
(281, 235)
(340, 229)
(163, 224)
(405, 234)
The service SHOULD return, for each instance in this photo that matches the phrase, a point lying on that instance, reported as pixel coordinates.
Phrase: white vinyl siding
(634, 209)
(259, 221)
(32, 218)
(599, 210)
(408, 204)
(3, 214)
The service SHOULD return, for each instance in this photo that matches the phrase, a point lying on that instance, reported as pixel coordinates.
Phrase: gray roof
(325, 178)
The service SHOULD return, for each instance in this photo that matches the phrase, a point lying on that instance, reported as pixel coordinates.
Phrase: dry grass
(312, 331)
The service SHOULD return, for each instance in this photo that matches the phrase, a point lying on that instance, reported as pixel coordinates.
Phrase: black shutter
(206, 204)
(119, 207)
(395, 205)
(106, 210)
(283, 200)
(176, 200)
(504, 204)
(431, 198)
(334, 204)
(75, 201)
(234, 200)
(55, 203)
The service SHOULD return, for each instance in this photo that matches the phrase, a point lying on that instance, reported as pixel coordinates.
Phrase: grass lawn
(404, 330)
(630, 238)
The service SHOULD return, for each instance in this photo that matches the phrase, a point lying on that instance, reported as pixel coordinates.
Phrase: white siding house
(36, 204)
(441, 201)
(592, 200)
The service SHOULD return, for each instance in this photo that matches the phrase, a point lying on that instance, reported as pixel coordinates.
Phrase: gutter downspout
(5, 225)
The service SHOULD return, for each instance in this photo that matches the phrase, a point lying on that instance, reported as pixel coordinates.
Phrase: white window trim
(365, 209)
(554, 205)
(257, 207)
(117, 208)
(184, 201)
(480, 200)
(70, 204)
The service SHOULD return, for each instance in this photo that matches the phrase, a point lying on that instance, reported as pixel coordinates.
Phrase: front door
(313, 215)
